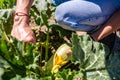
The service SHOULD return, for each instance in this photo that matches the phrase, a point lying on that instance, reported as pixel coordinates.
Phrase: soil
(112, 40)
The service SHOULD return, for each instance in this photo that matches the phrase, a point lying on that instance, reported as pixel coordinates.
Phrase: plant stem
(41, 50)
(47, 46)
(3, 32)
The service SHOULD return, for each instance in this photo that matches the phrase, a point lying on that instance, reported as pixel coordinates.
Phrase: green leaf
(49, 1)
(17, 77)
(40, 5)
(1, 73)
(99, 75)
(3, 46)
(78, 53)
(6, 17)
(65, 74)
(46, 78)
(44, 18)
(5, 69)
(4, 4)
(62, 32)
(78, 76)
(91, 56)
(6, 13)
(37, 20)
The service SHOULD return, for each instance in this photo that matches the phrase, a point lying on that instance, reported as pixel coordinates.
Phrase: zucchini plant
(89, 60)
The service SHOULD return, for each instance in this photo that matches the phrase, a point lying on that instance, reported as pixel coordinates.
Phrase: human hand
(21, 29)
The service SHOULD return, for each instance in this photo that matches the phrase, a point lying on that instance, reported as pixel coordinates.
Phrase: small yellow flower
(61, 57)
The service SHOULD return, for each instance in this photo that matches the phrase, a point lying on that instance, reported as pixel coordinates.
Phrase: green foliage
(20, 61)
(91, 57)
(6, 18)
(5, 4)
(6, 14)
(66, 74)
(95, 61)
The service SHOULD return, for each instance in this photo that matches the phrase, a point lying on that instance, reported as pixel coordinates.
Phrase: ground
(112, 40)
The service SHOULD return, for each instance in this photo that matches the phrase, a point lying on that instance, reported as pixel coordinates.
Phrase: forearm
(110, 26)
(23, 6)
